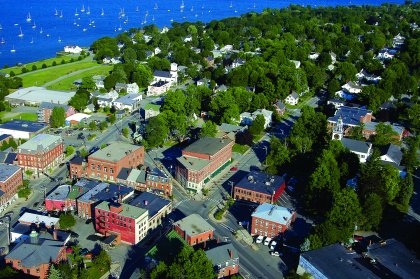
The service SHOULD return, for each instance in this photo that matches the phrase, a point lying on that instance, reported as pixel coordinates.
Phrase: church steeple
(338, 129)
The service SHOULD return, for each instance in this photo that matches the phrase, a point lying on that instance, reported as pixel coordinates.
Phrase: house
(202, 160)
(157, 50)
(8, 157)
(221, 88)
(391, 154)
(230, 131)
(157, 208)
(105, 100)
(292, 99)
(76, 119)
(226, 48)
(99, 81)
(129, 102)
(135, 178)
(35, 254)
(247, 118)
(280, 107)
(386, 54)
(328, 261)
(237, 62)
(271, 220)
(57, 200)
(73, 49)
(352, 88)
(363, 75)
(151, 110)
(203, 82)
(46, 108)
(41, 153)
(101, 191)
(4, 139)
(398, 41)
(22, 129)
(194, 229)
(89, 108)
(130, 88)
(225, 260)
(168, 76)
(337, 103)
(109, 60)
(296, 63)
(313, 55)
(369, 129)
(209, 60)
(11, 178)
(187, 39)
(259, 187)
(121, 222)
(39, 220)
(106, 163)
(361, 148)
(158, 88)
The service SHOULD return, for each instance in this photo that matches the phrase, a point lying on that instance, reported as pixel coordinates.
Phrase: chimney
(230, 254)
(145, 202)
(55, 234)
(120, 198)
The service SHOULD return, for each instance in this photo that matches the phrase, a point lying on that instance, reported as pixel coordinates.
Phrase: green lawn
(239, 148)
(18, 70)
(39, 78)
(7, 116)
(67, 83)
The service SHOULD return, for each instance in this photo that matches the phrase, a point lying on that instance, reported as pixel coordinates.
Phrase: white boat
(156, 6)
(34, 25)
(137, 9)
(126, 20)
(84, 29)
(171, 20)
(41, 31)
(1, 27)
(13, 49)
(76, 13)
(16, 24)
(2, 41)
(88, 11)
(192, 8)
(122, 13)
(21, 33)
(82, 9)
(102, 13)
(28, 17)
(119, 28)
(31, 42)
(153, 18)
(231, 4)
(61, 13)
(59, 39)
(48, 35)
(182, 5)
(56, 12)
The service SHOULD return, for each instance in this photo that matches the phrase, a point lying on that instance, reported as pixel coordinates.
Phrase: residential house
(22, 129)
(259, 187)
(232, 132)
(361, 148)
(296, 63)
(11, 178)
(151, 110)
(247, 118)
(337, 103)
(109, 60)
(194, 229)
(391, 154)
(225, 260)
(352, 88)
(398, 41)
(57, 200)
(158, 88)
(76, 119)
(130, 102)
(280, 107)
(386, 54)
(203, 82)
(271, 220)
(130, 88)
(237, 63)
(369, 129)
(45, 111)
(187, 39)
(41, 153)
(106, 99)
(364, 76)
(99, 81)
(292, 99)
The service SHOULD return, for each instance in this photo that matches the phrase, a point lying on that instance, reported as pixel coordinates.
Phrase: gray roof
(294, 95)
(194, 224)
(35, 94)
(334, 261)
(394, 256)
(207, 145)
(350, 116)
(164, 74)
(153, 203)
(221, 255)
(7, 157)
(261, 182)
(23, 125)
(115, 151)
(280, 104)
(48, 105)
(157, 175)
(273, 213)
(225, 127)
(105, 192)
(193, 163)
(34, 252)
(124, 173)
(128, 99)
(393, 152)
(7, 171)
(372, 127)
(60, 193)
(356, 145)
(41, 142)
(26, 229)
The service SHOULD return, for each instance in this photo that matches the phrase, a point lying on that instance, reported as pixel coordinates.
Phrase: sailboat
(2, 41)
(192, 8)
(61, 13)
(59, 39)
(34, 25)
(231, 5)
(21, 33)
(153, 18)
(56, 12)
(119, 28)
(102, 13)
(137, 9)
(76, 13)
(82, 9)
(182, 5)
(122, 13)
(13, 49)
(31, 42)
(41, 31)
(88, 11)
(126, 20)
(28, 17)
(156, 6)
(1, 27)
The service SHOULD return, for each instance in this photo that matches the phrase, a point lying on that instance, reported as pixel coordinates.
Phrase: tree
(125, 132)
(88, 84)
(278, 156)
(175, 102)
(143, 75)
(54, 273)
(384, 135)
(112, 119)
(66, 221)
(156, 131)
(410, 159)
(80, 100)
(24, 192)
(257, 126)
(103, 125)
(92, 125)
(69, 150)
(103, 261)
(372, 211)
(402, 201)
(58, 117)
(209, 129)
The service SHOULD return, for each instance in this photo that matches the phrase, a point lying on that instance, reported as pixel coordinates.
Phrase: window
(105, 169)
(111, 170)
(99, 167)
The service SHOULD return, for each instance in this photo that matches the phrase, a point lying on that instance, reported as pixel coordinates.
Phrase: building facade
(11, 178)
(41, 153)
(271, 220)
(45, 111)
(225, 259)
(194, 229)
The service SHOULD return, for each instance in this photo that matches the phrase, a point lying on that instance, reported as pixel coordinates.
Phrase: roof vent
(108, 154)
(25, 125)
(250, 178)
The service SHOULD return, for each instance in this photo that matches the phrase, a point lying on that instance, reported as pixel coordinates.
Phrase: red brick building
(106, 163)
(35, 254)
(194, 229)
(202, 160)
(126, 222)
(11, 177)
(45, 111)
(259, 187)
(225, 260)
(271, 220)
(41, 153)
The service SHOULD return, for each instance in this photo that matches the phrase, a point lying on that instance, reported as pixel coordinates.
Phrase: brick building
(194, 229)
(126, 223)
(45, 111)
(271, 220)
(106, 163)
(41, 153)
(259, 187)
(202, 160)
(58, 199)
(35, 254)
(225, 260)
(101, 191)
(11, 177)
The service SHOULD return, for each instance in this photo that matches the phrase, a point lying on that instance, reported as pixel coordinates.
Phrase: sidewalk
(113, 269)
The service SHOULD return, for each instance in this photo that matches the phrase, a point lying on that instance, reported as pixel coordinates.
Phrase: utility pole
(231, 188)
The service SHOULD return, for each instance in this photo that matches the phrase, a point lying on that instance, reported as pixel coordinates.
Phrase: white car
(276, 254)
(259, 239)
(273, 245)
(267, 241)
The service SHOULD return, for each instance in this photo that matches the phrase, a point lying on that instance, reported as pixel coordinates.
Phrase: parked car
(234, 169)
(275, 254)
(267, 241)
(84, 251)
(259, 239)
(36, 204)
(290, 188)
(74, 234)
(273, 245)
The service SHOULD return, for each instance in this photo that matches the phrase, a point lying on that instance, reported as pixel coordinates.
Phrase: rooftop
(350, 115)
(164, 74)
(393, 152)
(153, 203)
(35, 94)
(193, 163)
(157, 175)
(225, 127)
(207, 145)
(104, 192)
(77, 117)
(60, 193)
(6, 171)
(128, 99)
(372, 127)
(273, 213)
(115, 152)
(261, 182)
(32, 218)
(194, 224)
(41, 142)
(333, 260)
(48, 105)
(128, 211)
(221, 254)
(152, 107)
(23, 125)
(356, 145)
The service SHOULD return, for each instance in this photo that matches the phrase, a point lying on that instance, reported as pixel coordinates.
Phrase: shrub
(34, 68)
(63, 61)
(219, 214)
(24, 70)
(54, 63)
(44, 66)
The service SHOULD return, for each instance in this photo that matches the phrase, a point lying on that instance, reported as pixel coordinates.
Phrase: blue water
(68, 29)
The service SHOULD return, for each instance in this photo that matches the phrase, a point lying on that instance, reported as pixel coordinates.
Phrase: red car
(234, 169)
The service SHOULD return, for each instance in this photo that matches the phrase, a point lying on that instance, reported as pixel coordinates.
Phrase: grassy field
(67, 83)
(38, 64)
(7, 116)
(39, 78)
(239, 148)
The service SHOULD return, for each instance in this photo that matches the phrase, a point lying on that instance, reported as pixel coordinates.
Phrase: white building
(151, 110)
(21, 129)
(292, 99)
(158, 88)
(247, 118)
(73, 49)
(76, 118)
(361, 148)
(130, 102)
(105, 100)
